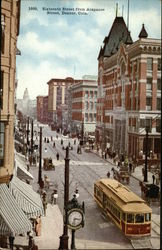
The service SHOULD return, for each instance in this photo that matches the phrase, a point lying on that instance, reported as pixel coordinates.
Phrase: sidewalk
(52, 229)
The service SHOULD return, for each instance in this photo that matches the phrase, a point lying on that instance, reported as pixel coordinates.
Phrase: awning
(13, 221)
(23, 174)
(28, 200)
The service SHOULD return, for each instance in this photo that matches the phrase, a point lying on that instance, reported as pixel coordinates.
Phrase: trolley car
(128, 211)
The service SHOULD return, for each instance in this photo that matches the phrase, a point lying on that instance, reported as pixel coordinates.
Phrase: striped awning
(28, 200)
(13, 221)
(23, 174)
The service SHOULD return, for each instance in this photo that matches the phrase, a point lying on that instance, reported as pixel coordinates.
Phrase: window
(2, 139)
(91, 94)
(95, 105)
(139, 218)
(86, 94)
(1, 90)
(2, 33)
(149, 63)
(159, 64)
(159, 84)
(86, 104)
(130, 218)
(91, 105)
(94, 117)
(158, 125)
(148, 103)
(90, 118)
(158, 104)
(95, 94)
(86, 117)
(149, 84)
(147, 217)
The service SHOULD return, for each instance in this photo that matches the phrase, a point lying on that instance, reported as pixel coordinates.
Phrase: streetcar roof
(123, 196)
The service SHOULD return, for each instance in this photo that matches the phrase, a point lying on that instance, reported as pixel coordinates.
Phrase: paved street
(85, 168)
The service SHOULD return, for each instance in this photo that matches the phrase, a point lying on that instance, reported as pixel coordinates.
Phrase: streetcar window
(123, 216)
(147, 217)
(139, 218)
(130, 218)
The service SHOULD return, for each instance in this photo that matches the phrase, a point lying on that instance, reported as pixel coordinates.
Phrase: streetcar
(128, 211)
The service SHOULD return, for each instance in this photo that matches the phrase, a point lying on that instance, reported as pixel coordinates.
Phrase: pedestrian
(108, 174)
(153, 178)
(11, 241)
(51, 138)
(92, 146)
(54, 197)
(28, 167)
(44, 202)
(57, 156)
(130, 167)
(74, 142)
(61, 141)
(54, 145)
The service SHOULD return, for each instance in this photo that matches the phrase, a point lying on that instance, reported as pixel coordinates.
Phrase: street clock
(75, 218)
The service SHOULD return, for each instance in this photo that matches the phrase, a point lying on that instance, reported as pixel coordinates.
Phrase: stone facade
(10, 14)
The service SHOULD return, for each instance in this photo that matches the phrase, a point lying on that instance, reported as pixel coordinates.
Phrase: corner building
(129, 87)
(10, 18)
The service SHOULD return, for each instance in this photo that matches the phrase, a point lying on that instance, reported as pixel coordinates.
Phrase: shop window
(1, 90)
(2, 140)
(149, 63)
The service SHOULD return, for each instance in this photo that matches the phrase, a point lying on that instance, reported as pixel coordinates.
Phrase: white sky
(60, 46)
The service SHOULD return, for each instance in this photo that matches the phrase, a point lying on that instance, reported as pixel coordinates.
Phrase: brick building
(129, 84)
(10, 18)
(43, 115)
(57, 97)
(82, 105)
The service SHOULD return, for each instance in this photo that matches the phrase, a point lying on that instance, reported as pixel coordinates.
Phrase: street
(85, 169)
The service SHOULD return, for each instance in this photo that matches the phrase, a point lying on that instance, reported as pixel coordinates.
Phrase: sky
(62, 38)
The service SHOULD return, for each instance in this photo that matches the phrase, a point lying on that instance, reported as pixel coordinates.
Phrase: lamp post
(40, 159)
(82, 134)
(64, 238)
(146, 153)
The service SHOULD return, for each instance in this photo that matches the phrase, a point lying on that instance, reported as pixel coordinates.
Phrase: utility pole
(64, 238)
(32, 140)
(40, 158)
(146, 153)
(27, 131)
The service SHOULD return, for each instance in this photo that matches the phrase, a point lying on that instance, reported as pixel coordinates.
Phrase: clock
(75, 218)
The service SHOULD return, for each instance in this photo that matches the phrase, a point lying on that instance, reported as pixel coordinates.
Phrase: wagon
(48, 165)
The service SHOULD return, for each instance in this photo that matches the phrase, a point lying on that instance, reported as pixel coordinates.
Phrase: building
(26, 105)
(57, 97)
(43, 115)
(82, 105)
(10, 18)
(129, 86)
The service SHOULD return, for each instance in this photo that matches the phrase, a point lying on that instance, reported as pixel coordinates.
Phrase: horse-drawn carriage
(48, 165)
(121, 176)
